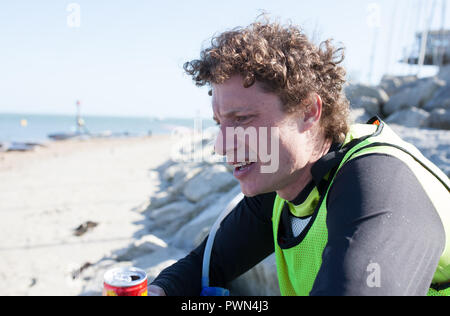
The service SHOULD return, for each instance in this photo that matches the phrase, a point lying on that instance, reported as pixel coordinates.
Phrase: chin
(257, 183)
(249, 190)
(252, 189)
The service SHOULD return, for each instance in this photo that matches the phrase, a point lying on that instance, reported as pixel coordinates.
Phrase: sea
(35, 128)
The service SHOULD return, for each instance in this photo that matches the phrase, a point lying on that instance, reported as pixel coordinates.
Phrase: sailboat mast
(390, 40)
(442, 34)
(78, 118)
(423, 45)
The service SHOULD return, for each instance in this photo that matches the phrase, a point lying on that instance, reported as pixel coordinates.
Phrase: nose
(232, 144)
(226, 144)
(219, 145)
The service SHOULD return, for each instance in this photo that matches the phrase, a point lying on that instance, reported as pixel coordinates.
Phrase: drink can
(125, 281)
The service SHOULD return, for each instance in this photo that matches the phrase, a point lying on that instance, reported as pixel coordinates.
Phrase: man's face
(274, 143)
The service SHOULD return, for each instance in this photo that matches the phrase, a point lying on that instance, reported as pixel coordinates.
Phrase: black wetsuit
(377, 213)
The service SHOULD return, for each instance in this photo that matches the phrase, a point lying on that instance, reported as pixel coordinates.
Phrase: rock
(169, 173)
(215, 178)
(393, 84)
(180, 172)
(183, 177)
(161, 199)
(440, 118)
(440, 100)
(262, 280)
(414, 96)
(370, 104)
(168, 219)
(444, 74)
(168, 212)
(144, 246)
(355, 91)
(434, 144)
(197, 148)
(165, 166)
(193, 233)
(178, 175)
(412, 117)
(157, 261)
(359, 116)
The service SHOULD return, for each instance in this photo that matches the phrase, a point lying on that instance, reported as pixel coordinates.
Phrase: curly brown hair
(286, 63)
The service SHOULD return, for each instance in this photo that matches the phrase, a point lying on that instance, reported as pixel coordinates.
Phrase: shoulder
(378, 212)
(377, 184)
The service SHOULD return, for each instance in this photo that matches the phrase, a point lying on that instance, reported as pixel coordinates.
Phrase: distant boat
(80, 124)
(63, 136)
(17, 146)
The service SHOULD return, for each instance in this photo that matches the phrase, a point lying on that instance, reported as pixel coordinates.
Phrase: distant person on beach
(349, 210)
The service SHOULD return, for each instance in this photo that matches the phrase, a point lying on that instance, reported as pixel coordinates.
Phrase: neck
(303, 176)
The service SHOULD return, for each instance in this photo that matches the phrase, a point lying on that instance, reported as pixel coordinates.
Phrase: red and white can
(128, 281)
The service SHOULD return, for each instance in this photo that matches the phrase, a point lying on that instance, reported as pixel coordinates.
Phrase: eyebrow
(234, 112)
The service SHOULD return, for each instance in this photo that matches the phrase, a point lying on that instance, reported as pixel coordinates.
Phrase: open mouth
(242, 169)
(242, 165)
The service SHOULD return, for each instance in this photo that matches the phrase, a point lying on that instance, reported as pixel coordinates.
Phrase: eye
(242, 119)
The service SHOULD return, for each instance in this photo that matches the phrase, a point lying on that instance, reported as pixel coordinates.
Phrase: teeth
(242, 164)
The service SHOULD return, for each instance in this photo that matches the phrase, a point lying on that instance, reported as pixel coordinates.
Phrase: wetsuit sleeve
(244, 239)
(384, 235)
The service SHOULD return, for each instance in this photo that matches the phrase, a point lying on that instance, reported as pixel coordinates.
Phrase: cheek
(292, 152)
(287, 144)
(286, 158)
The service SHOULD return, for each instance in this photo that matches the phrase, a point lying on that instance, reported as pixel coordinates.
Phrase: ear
(313, 112)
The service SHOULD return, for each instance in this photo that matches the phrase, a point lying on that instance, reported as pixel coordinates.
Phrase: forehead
(232, 96)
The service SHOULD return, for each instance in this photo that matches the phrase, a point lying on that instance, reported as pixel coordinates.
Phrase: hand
(154, 290)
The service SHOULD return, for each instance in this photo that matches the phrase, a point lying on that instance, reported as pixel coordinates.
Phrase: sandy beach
(45, 195)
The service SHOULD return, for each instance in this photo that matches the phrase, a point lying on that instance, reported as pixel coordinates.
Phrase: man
(343, 202)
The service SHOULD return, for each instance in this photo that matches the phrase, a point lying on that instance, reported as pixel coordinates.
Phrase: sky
(125, 57)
